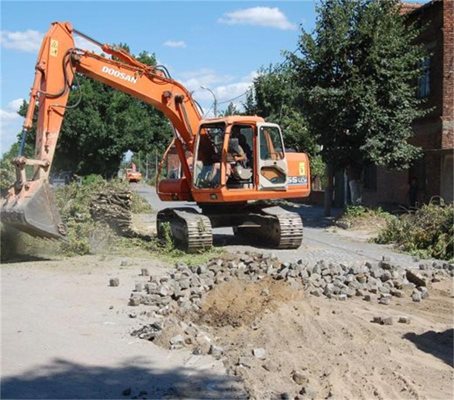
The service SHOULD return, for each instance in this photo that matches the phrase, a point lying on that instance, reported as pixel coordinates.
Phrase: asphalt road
(320, 241)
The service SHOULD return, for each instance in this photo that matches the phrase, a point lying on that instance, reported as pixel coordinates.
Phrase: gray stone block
(114, 282)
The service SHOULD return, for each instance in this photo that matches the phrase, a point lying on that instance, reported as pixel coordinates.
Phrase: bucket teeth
(35, 213)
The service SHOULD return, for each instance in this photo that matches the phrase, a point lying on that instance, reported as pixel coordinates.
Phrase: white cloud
(175, 43)
(10, 124)
(193, 80)
(16, 104)
(224, 87)
(226, 92)
(258, 16)
(28, 41)
(251, 76)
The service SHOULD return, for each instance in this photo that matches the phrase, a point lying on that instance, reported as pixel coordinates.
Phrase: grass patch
(165, 249)
(134, 247)
(427, 233)
(360, 217)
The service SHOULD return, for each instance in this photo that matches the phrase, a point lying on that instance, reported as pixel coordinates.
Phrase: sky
(216, 44)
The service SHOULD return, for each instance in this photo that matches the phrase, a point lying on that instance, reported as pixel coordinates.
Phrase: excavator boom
(29, 204)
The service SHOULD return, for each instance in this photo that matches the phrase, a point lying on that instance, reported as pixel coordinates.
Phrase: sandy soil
(66, 334)
(333, 345)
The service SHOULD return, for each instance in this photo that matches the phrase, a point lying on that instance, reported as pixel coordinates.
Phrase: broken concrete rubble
(181, 292)
(184, 287)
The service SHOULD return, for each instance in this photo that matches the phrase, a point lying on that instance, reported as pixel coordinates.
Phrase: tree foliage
(357, 78)
(105, 124)
(230, 110)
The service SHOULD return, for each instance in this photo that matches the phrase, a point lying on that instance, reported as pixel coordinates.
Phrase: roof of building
(408, 8)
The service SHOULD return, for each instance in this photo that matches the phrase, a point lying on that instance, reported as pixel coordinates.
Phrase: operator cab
(240, 154)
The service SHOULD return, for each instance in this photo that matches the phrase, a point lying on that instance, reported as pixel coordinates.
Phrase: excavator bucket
(33, 211)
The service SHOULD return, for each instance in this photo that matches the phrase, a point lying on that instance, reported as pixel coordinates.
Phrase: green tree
(357, 78)
(230, 110)
(106, 123)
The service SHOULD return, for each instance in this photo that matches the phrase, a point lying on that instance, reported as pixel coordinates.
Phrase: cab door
(271, 162)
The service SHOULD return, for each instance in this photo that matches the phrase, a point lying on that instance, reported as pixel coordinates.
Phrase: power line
(234, 98)
(248, 90)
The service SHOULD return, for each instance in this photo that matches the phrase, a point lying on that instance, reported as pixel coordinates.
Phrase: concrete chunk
(415, 278)
(299, 378)
(114, 282)
(259, 353)
(404, 320)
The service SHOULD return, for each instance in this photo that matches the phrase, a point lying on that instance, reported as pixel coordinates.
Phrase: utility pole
(215, 103)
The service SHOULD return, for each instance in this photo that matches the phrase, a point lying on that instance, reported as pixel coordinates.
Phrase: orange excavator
(228, 166)
(132, 175)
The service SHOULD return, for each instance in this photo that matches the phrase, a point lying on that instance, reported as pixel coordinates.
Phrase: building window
(424, 79)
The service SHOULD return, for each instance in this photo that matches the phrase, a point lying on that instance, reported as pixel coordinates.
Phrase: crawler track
(276, 227)
(190, 230)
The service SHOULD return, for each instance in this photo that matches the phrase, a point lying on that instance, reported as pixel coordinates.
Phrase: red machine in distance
(132, 175)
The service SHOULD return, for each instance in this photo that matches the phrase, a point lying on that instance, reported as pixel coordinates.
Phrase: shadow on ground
(67, 380)
(313, 217)
(439, 344)
(18, 258)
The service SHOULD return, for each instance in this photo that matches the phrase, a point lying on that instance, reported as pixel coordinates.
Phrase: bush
(428, 232)
(355, 211)
(362, 217)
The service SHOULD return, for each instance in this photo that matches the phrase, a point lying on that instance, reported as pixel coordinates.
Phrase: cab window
(271, 147)
(207, 173)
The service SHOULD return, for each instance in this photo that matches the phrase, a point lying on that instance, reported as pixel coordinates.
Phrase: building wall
(448, 75)
(434, 133)
(392, 188)
(447, 140)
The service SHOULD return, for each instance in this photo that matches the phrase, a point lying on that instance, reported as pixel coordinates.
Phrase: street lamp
(214, 97)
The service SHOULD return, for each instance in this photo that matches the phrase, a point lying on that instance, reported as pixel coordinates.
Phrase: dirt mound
(239, 302)
(251, 312)
(337, 352)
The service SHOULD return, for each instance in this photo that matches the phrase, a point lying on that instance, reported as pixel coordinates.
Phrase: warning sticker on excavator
(53, 48)
(302, 169)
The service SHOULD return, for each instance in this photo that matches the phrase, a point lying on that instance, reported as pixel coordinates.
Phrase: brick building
(433, 173)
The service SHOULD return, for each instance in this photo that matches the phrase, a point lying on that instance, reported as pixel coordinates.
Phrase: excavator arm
(29, 204)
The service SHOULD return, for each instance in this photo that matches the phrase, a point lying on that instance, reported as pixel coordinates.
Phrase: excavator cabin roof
(232, 119)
